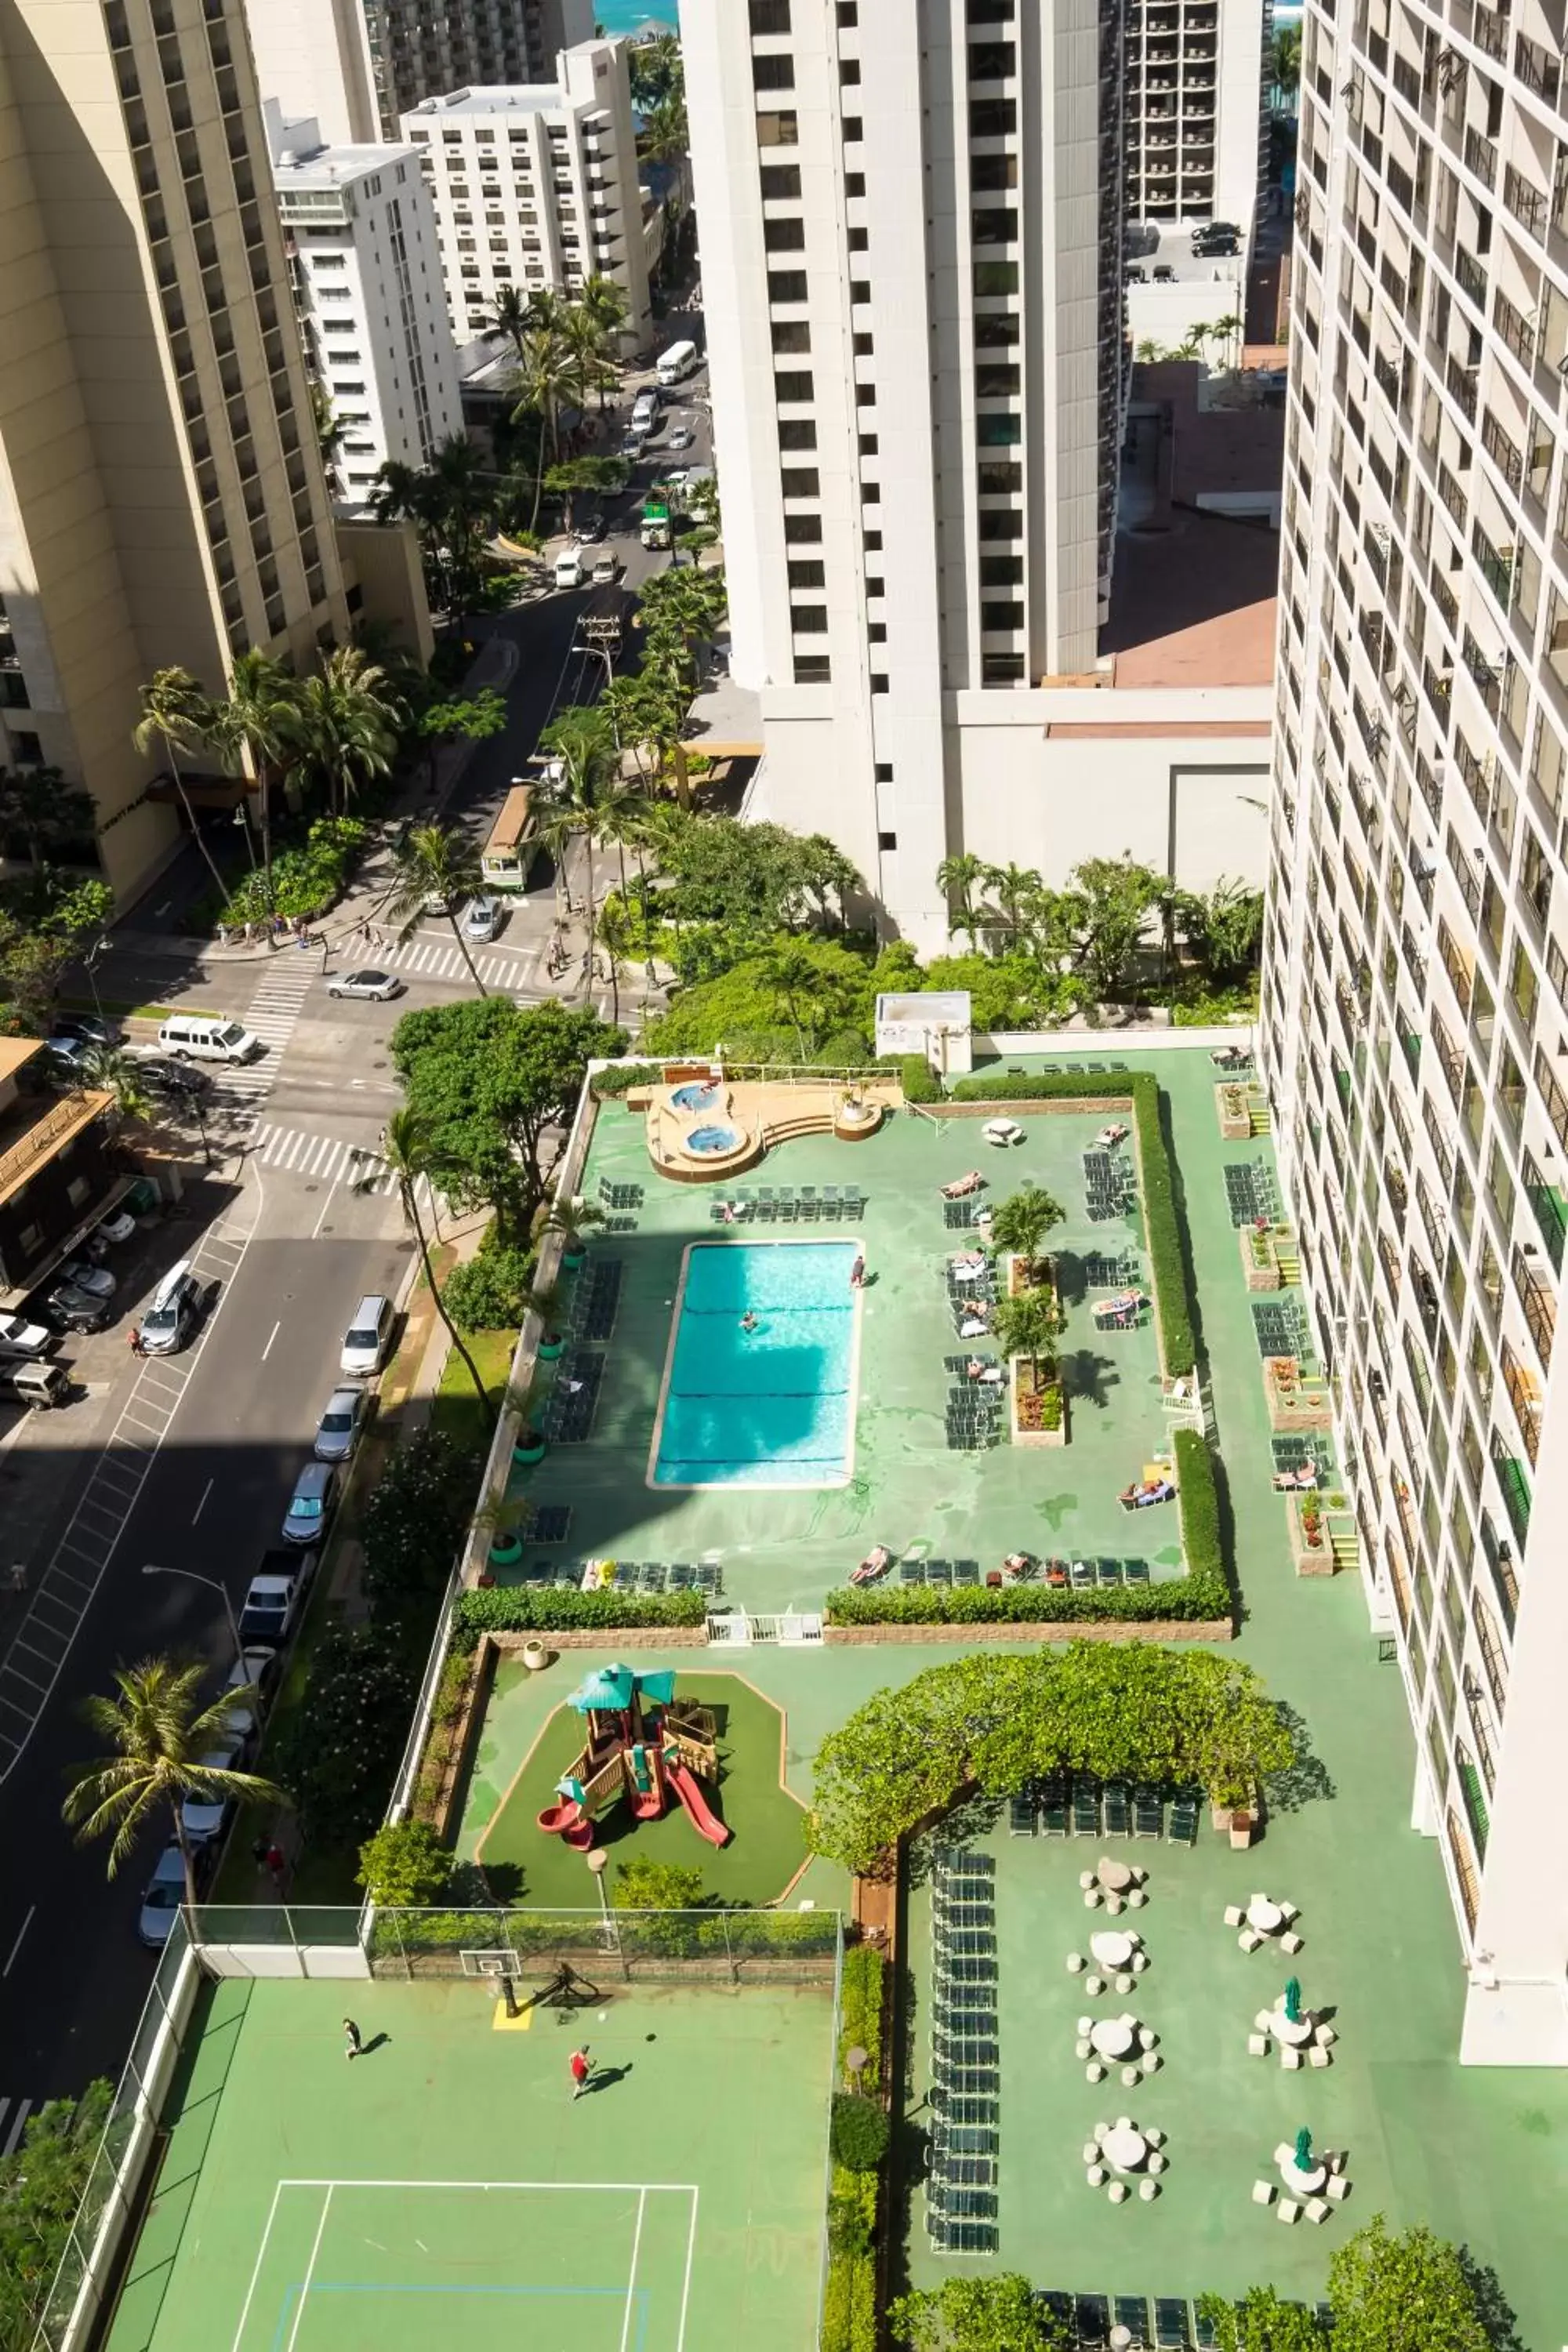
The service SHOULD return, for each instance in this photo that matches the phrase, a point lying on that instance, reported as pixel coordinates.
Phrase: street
(188, 1461)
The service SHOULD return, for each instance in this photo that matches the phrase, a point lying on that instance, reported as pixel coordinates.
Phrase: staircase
(1345, 1544)
(1290, 1262)
(786, 1131)
(1259, 1118)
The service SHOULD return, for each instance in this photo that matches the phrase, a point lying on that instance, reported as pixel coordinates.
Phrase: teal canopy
(570, 1786)
(610, 1689)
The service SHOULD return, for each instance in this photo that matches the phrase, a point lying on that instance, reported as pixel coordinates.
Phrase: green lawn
(765, 1850)
(457, 1412)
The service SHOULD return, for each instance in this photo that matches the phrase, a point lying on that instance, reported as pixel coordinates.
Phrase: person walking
(581, 2066)
(353, 2045)
(138, 1346)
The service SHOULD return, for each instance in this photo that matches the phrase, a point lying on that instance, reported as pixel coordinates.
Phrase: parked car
(339, 1429)
(118, 1227)
(311, 1505)
(67, 1308)
(483, 918)
(88, 1027)
(378, 986)
(592, 527)
(96, 1280)
(681, 438)
(20, 1337)
(67, 1054)
(1133, 274)
(166, 1891)
(1163, 274)
(40, 1386)
(273, 1598)
(203, 1817)
(255, 1672)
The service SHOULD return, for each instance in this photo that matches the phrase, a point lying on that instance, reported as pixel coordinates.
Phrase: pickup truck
(270, 1612)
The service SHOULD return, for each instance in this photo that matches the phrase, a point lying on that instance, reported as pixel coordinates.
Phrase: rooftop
(494, 98)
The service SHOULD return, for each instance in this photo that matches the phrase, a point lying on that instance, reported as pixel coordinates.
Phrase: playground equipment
(644, 1745)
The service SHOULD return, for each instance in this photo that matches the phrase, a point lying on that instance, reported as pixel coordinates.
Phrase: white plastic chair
(1288, 1943)
(1317, 2211)
(1288, 2210)
(1075, 1964)
(1234, 1915)
(1336, 2188)
(1263, 2192)
(1316, 2057)
(1257, 2045)
(1083, 2047)
(1148, 2191)
(1290, 2058)
(1117, 2192)
(1095, 2175)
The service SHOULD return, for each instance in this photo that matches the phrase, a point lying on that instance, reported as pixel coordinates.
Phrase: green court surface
(445, 2187)
(765, 1852)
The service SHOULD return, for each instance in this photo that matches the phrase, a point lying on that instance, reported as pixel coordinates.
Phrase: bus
(678, 363)
(509, 854)
(655, 519)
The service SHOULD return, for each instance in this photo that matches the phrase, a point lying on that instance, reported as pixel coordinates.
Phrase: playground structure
(644, 1746)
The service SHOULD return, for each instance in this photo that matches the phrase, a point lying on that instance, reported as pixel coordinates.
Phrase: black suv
(1216, 238)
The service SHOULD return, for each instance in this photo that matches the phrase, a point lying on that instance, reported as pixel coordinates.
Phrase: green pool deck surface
(444, 2187)
(1482, 2154)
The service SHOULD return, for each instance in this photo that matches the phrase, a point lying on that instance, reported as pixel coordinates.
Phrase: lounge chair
(972, 1181)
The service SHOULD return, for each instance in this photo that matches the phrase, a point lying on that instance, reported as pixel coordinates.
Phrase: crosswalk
(272, 1015)
(14, 2114)
(434, 960)
(325, 1159)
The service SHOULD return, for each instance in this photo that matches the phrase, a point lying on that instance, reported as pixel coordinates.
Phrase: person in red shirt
(581, 2067)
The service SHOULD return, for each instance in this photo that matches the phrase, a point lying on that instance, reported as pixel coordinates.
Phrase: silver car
(379, 986)
(311, 1505)
(481, 919)
(338, 1430)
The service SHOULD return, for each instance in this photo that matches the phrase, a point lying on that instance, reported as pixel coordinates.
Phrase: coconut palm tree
(664, 138)
(1029, 1323)
(655, 66)
(405, 1148)
(1021, 1223)
(583, 739)
(959, 877)
(1227, 333)
(348, 719)
(549, 371)
(572, 1217)
(177, 712)
(259, 723)
(114, 1072)
(794, 979)
(157, 1729)
(1014, 886)
(437, 867)
(511, 316)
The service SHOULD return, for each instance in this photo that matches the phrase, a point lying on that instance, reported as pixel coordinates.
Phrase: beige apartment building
(161, 496)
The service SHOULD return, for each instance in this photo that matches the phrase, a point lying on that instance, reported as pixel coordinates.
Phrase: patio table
(1111, 1949)
(1113, 2037)
(1116, 1877)
(1304, 2184)
(1265, 1917)
(1124, 2148)
(1296, 2034)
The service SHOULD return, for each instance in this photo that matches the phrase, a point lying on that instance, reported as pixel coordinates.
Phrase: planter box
(1292, 1406)
(1311, 1560)
(981, 1630)
(1020, 1435)
(1234, 1126)
(1266, 1277)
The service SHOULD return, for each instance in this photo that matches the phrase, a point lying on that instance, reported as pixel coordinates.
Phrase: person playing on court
(581, 2066)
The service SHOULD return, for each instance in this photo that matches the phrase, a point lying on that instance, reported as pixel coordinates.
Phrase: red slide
(689, 1791)
(568, 1820)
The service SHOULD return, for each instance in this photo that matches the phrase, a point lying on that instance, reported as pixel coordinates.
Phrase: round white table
(1116, 1877)
(1124, 2148)
(1265, 1917)
(1298, 2034)
(1113, 2037)
(1111, 1949)
(1304, 2184)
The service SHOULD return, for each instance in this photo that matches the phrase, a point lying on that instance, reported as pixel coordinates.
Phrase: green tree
(413, 1521)
(510, 316)
(47, 918)
(178, 714)
(1112, 899)
(641, 1884)
(257, 726)
(451, 503)
(468, 718)
(1409, 2292)
(1012, 887)
(583, 741)
(1260, 2322)
(404, 1863)
(572, 475)
(665, 137)
(493, 1085)
(977, 2315)
(792, 978)
(657, 69)
(42, 2183)
(38, 807)
(960, 877)
(157, 1729)
(435, 870)
(1222, 928)
(1021, 1223)
(548, 373)
(1287, 59)
(340, 1749)
(1029, 1324)
(348, 719)
(409, 1154)
(120, 1074)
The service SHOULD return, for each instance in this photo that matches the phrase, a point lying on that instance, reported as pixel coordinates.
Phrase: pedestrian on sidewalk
(352, 2043)
(137, 1345)
(278, 1865)
(581, 2066)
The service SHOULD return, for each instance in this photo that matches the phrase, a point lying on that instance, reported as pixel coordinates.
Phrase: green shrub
(1173, 1300)
(916, 1078)
(487, 1292)
(1202, 1596)
(306, 879)
(1197, 1500)
(548, 1609)
(608, 1084)
(850, 2295)
(859, 2133)
(405, 1862)
(862, 1988)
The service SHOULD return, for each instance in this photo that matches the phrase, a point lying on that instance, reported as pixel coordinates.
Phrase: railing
(1514, 1489)
(1496, 565)
(1450, 1057)
(1556, 1102)
(1527, 203)
(1514, 328)
(1538, 1302)
(1539, 71)
(1503, 451)
(1504, 1576)
(1461, 382)
(1481, 154)
(1524, 1395)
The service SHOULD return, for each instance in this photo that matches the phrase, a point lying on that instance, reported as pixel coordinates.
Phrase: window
(854, 184)
(1001, 570)
(793, 384)
(1001, 669)
(992, 118)
(854, 129)
(792, 335)
(797, 433)
(786, 285)
(990, 12)
(995, 277)
(993, 171)
(866, 444)
(848, 71)
(998, 225)
(994, 479)
(778, 130)
(864, 396)
(808, 620)
(996, 379)
(808, 575)
(998, 428)
(848, 14)
(27, 749)
(801, 482)
(813, 669)
(859, 289)
(772, 73)
(802, 530)
(780, 182)
(784, 236)
(887, 842)
(992, 61)
(1000, 616)
(857, 239)
(770, 16)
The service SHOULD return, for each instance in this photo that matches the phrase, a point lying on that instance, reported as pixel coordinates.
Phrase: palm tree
(1021, 1223)
(1287, 59)
(1012, 885)
(349, 722)
(436, 868)
(406, 1151)
(656, 68)
(572, 1218)
(583, 739)
(511, 316)
(464, 501)
(157, 1731)
(792, 978)
(1029, 1324)
(548, 371)
(960, 877)
(258, 722)
(111, 1069)
(1226, 332)
(664, 138)
(176, 711)
(1149, 351)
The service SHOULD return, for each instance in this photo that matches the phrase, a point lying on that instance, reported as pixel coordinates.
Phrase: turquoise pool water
(769, 1407)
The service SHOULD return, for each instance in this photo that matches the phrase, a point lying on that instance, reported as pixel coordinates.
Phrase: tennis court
(445, 2188)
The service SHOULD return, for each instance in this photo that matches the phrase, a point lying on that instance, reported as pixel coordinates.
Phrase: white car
(482, 919)
(161, 1899)
(254, 1671)
(20, 1339)
(376, 985)
(118, 1227)
(338, 1430)
(203, 1817)
(681, 438)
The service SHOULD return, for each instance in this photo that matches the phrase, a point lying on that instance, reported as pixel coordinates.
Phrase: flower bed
(1260, 1259)
(1039, 1415)
(1296, 1405)
(1234, 1115)
(1311, 1549)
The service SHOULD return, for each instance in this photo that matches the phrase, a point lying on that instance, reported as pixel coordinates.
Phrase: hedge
(862, 1988)
(1197, 1500)
(849, 2295)
(1197, 1597)
(552, 1609)
(621, 1078)
(1174, 1301)
(916, 1078)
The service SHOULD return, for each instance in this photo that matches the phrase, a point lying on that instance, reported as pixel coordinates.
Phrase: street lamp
(158, 1568)
(598, 1860)
(87, 962)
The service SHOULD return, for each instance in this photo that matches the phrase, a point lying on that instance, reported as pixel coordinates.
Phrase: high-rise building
(358, 65)
(162, 494)
(536, 185)
(365, 265)
(1197, 114)
(912, 231)
(1415, 1016)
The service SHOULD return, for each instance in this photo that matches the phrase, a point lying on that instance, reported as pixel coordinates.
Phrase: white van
(678, 363)
(365, 1340)
(196, 1037)
(645, 411)
(568, 567)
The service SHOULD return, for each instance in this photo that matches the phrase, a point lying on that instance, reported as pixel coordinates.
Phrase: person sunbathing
(960, 1185)
(1110, 1136)
(976, 1369)
(974, 1326)
(1304, 1475)
(877, 1562)
(1017, 1563)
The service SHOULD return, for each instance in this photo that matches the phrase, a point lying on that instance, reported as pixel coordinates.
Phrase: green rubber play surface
(445, 2188)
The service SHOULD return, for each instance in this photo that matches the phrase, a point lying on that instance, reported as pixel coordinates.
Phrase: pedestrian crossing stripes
(325, 1159)
(435, 960)
(14, 2114)
(272, 1015)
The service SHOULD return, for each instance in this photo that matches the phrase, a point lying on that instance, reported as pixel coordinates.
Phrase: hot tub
(698, 1094)
(712, 1142)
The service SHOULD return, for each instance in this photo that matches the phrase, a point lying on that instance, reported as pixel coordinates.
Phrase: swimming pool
(698, 1093)
(709, 1140)
(773, 1406)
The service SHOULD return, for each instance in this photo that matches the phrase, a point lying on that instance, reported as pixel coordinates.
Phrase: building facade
(162, 494)
(358, 65)
(1197, 109)
(366, 268)
(1415, 1017)
(535, 186)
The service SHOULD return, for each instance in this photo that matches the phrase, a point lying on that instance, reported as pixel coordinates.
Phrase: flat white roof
(495, 98)
(338, 167)
(947, 1006)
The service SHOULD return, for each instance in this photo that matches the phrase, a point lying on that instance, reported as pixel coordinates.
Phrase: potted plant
(534, 1655)
(497, 1519)
(552, 1338)
(572, 1218)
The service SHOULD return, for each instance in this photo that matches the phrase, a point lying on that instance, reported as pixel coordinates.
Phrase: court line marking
(686, 2283)
(310, 2270)
(632, 2273)
(255, 2266)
